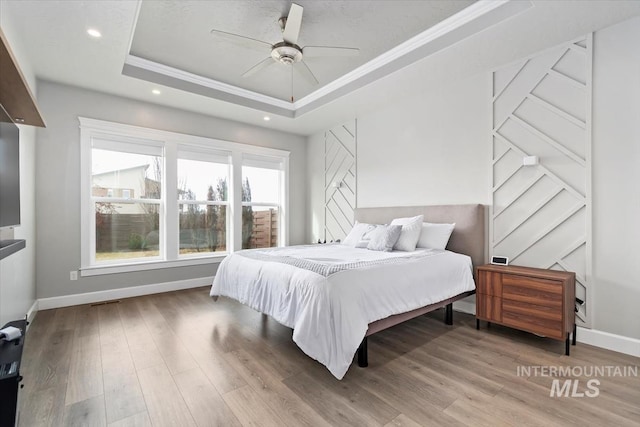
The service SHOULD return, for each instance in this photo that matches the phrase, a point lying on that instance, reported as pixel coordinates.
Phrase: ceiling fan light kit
(287, 51)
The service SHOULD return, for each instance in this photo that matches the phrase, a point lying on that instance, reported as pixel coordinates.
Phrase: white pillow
(355, 236)
(384, 237)
(411, 228)
(435, 236)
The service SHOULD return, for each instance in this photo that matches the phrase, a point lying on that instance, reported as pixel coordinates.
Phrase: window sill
(98, 270)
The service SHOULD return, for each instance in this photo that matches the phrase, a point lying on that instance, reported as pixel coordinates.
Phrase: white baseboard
(465, 306)
(112, 294)
(31, 314)
(619, 343)
(594, 337)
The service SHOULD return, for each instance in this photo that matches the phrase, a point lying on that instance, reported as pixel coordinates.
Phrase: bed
(334, 296)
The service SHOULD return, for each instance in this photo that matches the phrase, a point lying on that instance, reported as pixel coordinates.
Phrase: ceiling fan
(287, 51)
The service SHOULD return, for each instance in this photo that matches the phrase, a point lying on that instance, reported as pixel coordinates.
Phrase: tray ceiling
(177, 34)
(172, 44)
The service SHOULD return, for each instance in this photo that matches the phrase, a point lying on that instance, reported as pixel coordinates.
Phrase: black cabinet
(10, 356)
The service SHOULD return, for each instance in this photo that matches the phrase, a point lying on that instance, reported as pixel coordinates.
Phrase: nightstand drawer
(533, 323)
(532, 290)
(489, 283)
(534, 310)
(489, 307)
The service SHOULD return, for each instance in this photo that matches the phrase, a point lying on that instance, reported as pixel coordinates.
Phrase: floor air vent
(115, 301)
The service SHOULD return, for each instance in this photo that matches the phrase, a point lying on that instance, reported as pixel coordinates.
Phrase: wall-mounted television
(9, 171)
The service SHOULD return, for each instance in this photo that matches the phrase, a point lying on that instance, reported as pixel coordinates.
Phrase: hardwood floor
(181, 359)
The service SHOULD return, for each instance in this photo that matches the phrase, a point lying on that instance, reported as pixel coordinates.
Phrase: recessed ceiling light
(156, 91)
(266, 118)
(94, 33)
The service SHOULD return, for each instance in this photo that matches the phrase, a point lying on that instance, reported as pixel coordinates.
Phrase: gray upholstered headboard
(469, 235)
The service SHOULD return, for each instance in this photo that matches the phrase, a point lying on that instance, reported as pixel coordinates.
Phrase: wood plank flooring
(181, 359)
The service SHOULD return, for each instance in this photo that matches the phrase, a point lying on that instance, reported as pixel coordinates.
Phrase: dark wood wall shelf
(8, 247)
(15, 96)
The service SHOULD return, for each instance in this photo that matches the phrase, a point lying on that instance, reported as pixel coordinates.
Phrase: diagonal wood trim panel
(541, 214)
(339, 180)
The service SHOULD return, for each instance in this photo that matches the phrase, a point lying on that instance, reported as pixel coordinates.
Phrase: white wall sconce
(530, 160)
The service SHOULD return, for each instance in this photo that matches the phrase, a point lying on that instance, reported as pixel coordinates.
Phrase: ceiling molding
(442, 28)
(155, 72)
(465, 23)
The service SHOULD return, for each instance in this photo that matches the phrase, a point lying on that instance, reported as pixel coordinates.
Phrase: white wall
(434, 148)
(58, 180)
(315, 193)
(18, 271)
(616, 179)
(430, 149)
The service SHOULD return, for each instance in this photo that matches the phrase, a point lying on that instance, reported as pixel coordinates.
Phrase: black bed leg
(575, 329)
(363, 360)
(478, 324)
(448, 314)
(566, 345)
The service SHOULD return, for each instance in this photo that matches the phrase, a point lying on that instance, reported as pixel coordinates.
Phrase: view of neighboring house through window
(156, 199)
(126, 180)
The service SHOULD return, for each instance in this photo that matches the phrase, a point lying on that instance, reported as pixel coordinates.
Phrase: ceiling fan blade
(316, 51)
(306, 72)
(259, 66)
(242, 40)
(292, 27)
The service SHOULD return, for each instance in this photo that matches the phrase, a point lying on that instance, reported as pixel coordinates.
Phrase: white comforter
(330, 311)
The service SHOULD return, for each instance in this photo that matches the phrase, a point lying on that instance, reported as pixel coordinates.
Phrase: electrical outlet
(73, 275)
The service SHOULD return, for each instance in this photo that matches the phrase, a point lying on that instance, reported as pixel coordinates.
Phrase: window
(125, 227)
(203, 181)
(261, 197)
(155, 199)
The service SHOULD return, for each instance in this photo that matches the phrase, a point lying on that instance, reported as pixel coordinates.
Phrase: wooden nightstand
(530, 299)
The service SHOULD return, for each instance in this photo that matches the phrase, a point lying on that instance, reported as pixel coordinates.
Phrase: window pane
(203, 229)
(260, 185)
(125, 175)
(127, 230)
(198, 180)
(259, 227)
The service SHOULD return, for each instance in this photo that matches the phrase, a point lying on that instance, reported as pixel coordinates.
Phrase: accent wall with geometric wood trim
(339, 180)
(541, 214)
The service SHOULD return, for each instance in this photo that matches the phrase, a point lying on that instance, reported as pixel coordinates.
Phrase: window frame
(172, 143)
